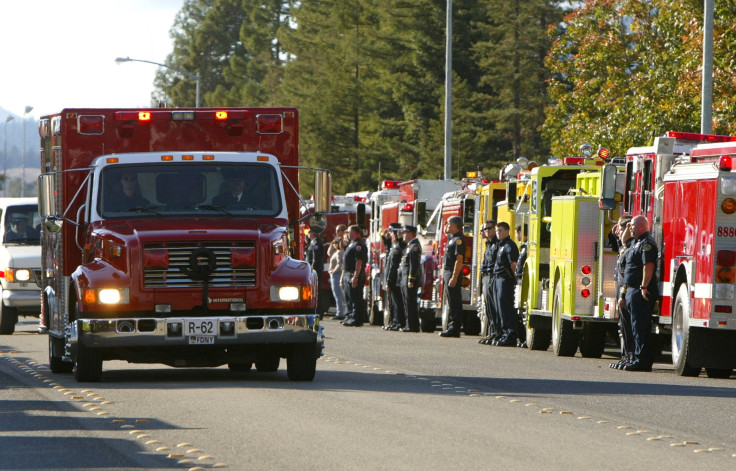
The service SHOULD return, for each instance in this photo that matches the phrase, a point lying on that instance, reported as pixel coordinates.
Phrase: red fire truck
(685, 186)
(150, 255)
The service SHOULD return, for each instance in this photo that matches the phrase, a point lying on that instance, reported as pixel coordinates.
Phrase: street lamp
(23, 158)
(194, 77)
(5, 154)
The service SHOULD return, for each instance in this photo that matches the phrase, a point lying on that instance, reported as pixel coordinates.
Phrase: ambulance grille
(174, 276)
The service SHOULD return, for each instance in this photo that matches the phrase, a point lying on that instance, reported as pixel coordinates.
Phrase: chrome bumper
(22, 298)
(231, 330)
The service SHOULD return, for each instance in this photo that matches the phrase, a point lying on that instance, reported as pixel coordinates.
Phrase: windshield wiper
(212, 207)
(143, 209)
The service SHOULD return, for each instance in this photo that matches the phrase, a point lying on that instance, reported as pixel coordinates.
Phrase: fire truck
(146, 258)
(537, 285)
(685, 185)
(345, 209)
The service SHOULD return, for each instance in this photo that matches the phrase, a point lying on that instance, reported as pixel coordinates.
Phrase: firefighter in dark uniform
(488, 232)
(315, 257)
(622, 243)
(452, 266)
(356, 257)
(641, 291)
(409, 275)
(393, 260)
(504, 279)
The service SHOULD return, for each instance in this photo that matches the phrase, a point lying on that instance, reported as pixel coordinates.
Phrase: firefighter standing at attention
(453, 263)
(356, 257)
(409, 271)
(393, 287)
(488, 232)
(504, 279)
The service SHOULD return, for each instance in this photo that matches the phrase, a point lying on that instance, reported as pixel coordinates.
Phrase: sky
(57, 54)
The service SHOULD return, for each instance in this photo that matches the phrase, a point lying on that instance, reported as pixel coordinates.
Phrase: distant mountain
(13, 130)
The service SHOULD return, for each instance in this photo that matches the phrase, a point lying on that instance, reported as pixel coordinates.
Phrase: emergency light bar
(408, 207)
(692, 136)
(390, 184)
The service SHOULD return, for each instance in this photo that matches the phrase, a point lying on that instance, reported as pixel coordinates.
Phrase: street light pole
(194, 77)
(5, 154)
(23, 157)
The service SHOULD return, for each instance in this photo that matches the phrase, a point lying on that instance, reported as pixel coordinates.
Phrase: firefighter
(453, 263)
(504, 279)
(522, 231)
(641, 291)
(488, 232)
(409, 277)
(393, 288)
(622, 243)
(315, 257)
(356, 257)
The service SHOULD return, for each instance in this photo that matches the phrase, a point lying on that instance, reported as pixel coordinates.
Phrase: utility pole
(448, 94)
(706, 108)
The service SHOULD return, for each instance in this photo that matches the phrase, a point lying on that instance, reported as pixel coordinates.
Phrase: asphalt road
(380, 400)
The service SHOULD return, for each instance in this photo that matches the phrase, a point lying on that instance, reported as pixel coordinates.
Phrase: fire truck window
(646, 187)
(630, 180)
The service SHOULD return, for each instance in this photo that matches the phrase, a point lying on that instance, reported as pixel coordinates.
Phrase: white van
(20, 261)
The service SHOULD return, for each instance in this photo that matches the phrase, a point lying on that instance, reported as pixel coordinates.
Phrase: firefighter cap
(408, 228)
(395, 226)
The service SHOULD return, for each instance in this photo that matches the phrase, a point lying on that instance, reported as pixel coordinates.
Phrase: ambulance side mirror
(511, 195)
(322, 191)
(607, 201)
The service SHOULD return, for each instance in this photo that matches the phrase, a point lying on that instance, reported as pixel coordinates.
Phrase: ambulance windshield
(189, 189)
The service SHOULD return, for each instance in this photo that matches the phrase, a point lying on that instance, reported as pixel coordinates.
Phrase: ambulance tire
(427, 320)
(301, 362)
(471, 323)
(538, 339)
(718, 373)
(8, 319)
(682, 336)
(88, 366)
(267, 363)
(593, 340)
(56, 363)
(564, 338)
(376, 315)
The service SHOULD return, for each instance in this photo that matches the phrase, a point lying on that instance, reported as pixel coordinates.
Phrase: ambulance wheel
(88, 365)
(267, 363)
(239, 367)
(376, 315)
(538, 339)
(301, 363)
(564, 337)
(682, 336)
(471, 323)
(721, 373)
(427, 321)
(8, 319)
(593, 340)
(56, 363)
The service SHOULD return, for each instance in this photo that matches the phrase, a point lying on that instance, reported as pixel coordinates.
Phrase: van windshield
(189, 189)
(22, 225)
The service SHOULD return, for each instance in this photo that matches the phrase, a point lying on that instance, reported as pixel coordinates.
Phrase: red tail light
(245, 257)
(466, 270)
(408, 207)
(585, 293)
(156, 258)
(585, 270)
(724, 163)
(726, 258)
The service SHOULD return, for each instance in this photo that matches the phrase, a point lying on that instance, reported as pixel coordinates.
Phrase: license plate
(197, 327)
(201, 340)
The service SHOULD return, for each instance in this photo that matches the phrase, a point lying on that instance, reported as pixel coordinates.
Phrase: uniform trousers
(349, 308)
(504, 290)
(397, 306)
(359, 313)
(411, 307)
(641, 324)
(627, 336)
(489, 302)
(454, 297)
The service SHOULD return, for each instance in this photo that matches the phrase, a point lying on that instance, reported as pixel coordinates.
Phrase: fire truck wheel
(56, 364)
(682, 335)
(376, 316)
(427, 321)
(721, 373)
(301, 363)
(564, 337)
(471, 323)
(593, 340)
(537, 338)
(268, 363)
(88, 364)
(8, 319)
(239, 367)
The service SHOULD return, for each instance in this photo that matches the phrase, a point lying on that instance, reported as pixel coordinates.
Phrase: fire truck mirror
(360, 216)
(608, 188)
(420, 213)
(46, 201)
(511, 195)
(322, 191)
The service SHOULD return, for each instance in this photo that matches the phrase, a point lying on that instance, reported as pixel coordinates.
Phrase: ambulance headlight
(728, 186)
